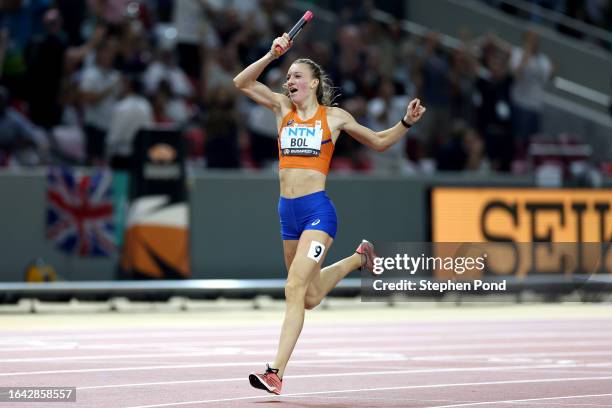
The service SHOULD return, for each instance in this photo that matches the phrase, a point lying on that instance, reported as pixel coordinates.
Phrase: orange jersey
(305, 144)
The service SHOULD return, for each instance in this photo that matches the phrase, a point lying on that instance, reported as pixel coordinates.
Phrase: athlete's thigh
(289, 248)
(309, 256)
(315, 287)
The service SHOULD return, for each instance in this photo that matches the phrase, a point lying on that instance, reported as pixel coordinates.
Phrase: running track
(519, 356)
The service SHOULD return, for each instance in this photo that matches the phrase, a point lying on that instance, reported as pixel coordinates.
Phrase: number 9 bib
(316, 250)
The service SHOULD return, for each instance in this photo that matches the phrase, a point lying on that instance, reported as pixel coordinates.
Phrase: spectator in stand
(45, 62)
(73, 13)
(194, 29)
(22, 21)
(493, 111)
(382, 113)
(378, 37)
(84, 55)
(67, 138)
(462, 79)
(69, 97)
(531, 70)
(435, 90)
(474, 148)
(218, 66)
(372, 74)
(167, 107)
(263, 128)
(132, 113)
(401, 47)
(347, 74)
(165, 68)
(266, 18)
(134, 55)
(256, 26)
(100, 85)
(228, 24)
(322, 51)
(408, 71)
(221, 128)
(20, 141)
(349, 154)
(464, 150)
(110, 11)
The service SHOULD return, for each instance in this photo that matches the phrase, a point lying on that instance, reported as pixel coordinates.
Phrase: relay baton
(297, 28)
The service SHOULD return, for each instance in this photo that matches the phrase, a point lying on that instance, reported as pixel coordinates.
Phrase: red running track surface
(450, 360)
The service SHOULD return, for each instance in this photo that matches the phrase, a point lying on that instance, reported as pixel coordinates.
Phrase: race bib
(316, 251)
(301, 140)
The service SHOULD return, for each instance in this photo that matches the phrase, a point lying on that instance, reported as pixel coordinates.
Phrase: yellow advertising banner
(521, 215)
(577, 223)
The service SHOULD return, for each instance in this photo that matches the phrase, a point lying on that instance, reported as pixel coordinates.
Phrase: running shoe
(366, 248)
(268, 381)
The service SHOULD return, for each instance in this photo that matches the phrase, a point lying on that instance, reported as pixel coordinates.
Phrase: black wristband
(406, 124)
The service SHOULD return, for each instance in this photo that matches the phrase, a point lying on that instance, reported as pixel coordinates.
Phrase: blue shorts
(310, 212)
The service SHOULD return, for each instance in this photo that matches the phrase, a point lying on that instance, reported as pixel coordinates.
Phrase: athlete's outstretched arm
(380, 141)
(247, 82)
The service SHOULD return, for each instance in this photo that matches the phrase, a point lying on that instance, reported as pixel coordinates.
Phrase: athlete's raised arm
(247, 82)
(379, 141)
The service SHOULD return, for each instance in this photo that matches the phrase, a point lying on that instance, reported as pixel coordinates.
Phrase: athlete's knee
(311, 302)
(295, 289)
(314, 296)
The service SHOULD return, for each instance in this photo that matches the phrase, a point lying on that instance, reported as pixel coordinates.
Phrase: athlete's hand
(414, 112)
(280, 45)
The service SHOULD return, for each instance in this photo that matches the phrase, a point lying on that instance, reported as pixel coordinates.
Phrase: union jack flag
(80, 212)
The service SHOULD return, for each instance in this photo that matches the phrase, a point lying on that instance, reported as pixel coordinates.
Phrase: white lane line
(439, 400)
(220, 343)
(555, 367)
(408, 387)
(183, 366)
(515, 356)
(382, 358)
(326, 375)
(241, 345)
(274, 330)
(521, 400)
(563, 370)
(228, 351)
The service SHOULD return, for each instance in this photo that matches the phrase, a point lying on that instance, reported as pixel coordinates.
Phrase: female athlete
(308, 127)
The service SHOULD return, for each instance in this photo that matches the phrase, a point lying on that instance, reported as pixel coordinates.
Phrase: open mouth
(292, 90)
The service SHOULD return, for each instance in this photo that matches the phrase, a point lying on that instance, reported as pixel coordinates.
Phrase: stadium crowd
(80, 78)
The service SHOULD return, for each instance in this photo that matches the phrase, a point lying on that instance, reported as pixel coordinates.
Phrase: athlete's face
(300, 82)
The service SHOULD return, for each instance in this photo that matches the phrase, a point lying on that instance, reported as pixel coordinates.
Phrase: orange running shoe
(366, 248)
(268, 381)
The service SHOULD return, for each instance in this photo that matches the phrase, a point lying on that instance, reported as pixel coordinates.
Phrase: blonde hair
(326, 92)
